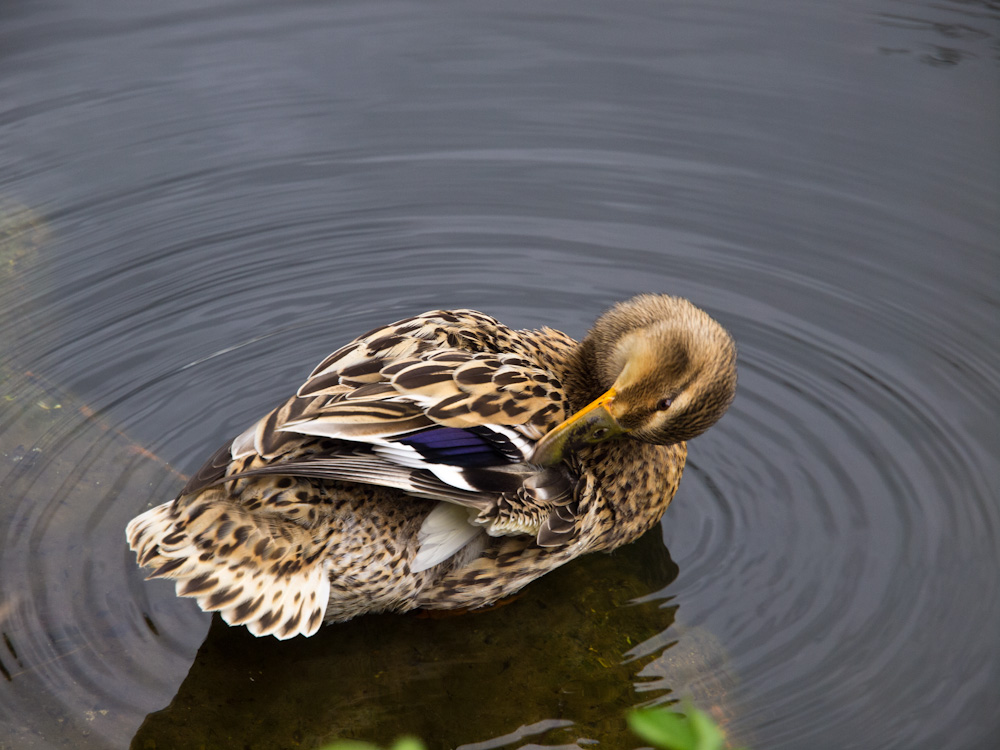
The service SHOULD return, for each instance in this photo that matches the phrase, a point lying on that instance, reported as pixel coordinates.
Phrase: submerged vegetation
(23, 232)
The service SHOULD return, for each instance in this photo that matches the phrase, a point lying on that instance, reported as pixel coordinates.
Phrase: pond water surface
(200, 200)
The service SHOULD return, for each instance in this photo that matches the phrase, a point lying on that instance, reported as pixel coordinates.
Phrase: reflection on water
(557, 651)
(197, 203)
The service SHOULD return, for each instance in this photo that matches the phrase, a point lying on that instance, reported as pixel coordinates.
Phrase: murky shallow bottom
(217, 197)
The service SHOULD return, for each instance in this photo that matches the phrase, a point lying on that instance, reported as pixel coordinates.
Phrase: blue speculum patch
(476, 446)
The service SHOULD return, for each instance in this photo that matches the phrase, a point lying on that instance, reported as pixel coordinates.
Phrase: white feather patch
(243, 445)
(400, 454)
(404, 455)
(443, 533)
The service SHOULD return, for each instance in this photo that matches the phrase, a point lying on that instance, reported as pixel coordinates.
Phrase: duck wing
(447, 405)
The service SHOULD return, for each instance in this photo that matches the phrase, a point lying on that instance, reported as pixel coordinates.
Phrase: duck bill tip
(593, 423)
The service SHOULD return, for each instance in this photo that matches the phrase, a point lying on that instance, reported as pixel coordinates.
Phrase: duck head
(666, 372)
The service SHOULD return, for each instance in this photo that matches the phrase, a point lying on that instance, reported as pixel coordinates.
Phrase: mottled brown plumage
(444, 461)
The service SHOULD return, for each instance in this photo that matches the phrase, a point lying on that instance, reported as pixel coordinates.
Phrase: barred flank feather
(269, 577)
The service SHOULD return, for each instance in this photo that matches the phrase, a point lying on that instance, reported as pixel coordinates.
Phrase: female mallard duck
(444, 462)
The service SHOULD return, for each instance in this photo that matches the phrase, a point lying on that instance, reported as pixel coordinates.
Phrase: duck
(443, 462)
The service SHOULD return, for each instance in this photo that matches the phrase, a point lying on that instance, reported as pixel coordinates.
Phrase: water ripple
(221, 196)
(854, 469)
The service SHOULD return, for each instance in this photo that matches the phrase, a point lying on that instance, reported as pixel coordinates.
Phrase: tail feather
(253, 570)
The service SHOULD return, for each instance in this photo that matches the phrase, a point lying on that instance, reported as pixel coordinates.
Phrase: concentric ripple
(825, 535)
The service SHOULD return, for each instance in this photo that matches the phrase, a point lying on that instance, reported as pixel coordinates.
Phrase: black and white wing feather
(447, 405)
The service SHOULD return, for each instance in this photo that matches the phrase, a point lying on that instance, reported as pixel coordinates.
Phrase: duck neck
(580, 376)
(633, 485)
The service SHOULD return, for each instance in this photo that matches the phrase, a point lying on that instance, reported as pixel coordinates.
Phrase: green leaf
(403, 743)
(665, 729)
(692, 730)
(710, 737)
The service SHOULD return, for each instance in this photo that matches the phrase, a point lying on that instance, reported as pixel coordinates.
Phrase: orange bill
(592, 424)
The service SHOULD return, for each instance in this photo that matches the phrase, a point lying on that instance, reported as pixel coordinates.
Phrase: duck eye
(664, 403)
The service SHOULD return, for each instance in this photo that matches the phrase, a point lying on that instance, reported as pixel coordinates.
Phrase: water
(200, 201)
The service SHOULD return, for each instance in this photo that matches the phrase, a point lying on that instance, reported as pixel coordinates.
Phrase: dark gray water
(198, 201)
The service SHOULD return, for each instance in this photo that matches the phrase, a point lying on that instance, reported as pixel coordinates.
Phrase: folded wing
(444, 406)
